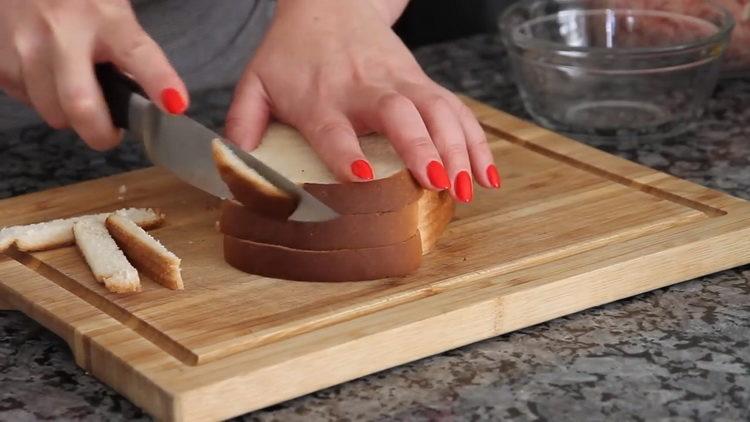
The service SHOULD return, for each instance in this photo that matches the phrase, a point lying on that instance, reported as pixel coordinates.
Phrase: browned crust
(161, 268)
(153, 223)
(251, 192)
(381, 195)
(329, 266)
(346, 232)
(435, 212)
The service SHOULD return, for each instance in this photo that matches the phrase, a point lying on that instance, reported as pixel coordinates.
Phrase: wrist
(389, 10)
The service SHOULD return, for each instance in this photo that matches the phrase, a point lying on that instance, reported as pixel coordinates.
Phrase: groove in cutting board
(708, 210)
(148, 332)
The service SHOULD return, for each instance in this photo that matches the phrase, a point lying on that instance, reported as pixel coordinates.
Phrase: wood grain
(571, 228)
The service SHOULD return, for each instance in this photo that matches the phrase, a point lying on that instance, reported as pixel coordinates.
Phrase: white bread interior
(106, 260)
(225, 156)
(284, 149)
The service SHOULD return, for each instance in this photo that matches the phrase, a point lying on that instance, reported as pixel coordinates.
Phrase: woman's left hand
(334, 70)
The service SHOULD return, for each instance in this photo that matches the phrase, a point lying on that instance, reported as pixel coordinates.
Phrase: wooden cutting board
(571, 228)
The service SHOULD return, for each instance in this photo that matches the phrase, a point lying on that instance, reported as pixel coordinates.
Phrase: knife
(183, 146)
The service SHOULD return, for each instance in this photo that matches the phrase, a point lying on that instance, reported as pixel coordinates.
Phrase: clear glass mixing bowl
(610, 68)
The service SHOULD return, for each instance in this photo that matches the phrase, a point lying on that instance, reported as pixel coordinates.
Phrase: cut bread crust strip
(106, 260)
(345, 232)
(57, 233)
(147, 253)
(248, 186)
(342, 265)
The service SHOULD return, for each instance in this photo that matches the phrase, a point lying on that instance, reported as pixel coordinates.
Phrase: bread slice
(145, 252)
(330, 266)
(57, 233)
(105, 259)
(284, 149)
(430, 215)
(248, 186)
(272, 259)
(346, 232)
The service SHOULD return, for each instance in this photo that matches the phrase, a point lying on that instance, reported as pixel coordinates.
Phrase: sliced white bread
(313, 263)
(145, 252)
(56, 233)
(106, 260)
(285, 150)
(267, 198)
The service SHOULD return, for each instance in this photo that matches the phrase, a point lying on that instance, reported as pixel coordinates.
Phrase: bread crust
(342, 265)
(107, 262)
(346, 232)
(155, 261)
(379, 195)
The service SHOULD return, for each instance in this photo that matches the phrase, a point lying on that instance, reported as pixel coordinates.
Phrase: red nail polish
(438, 176)
(493, 176)
(173, 101)
(464, 188)
(362, 169)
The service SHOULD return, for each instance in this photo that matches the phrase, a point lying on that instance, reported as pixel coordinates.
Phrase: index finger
(135, 52)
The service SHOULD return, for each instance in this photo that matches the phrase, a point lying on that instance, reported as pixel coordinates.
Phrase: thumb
(248, 114)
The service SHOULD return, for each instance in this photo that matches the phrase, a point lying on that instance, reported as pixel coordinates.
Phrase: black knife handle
(117, 89)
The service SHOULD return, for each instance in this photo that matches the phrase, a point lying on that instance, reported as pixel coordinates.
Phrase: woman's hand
(47, 53)
(335, 70)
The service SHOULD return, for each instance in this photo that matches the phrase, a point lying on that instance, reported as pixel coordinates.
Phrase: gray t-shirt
(208, 43)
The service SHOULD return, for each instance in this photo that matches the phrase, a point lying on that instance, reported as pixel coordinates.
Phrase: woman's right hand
(48, 49)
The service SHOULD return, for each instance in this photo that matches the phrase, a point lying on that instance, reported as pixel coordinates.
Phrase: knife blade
(183, 145)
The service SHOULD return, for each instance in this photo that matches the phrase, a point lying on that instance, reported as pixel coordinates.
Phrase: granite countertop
(679, 353)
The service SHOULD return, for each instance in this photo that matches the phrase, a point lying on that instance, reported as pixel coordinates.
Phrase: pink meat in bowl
(737, 56)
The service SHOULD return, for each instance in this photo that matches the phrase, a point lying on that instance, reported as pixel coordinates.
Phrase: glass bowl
(615, 68)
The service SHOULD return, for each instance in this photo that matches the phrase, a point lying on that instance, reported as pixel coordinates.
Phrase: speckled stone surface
(681, 353)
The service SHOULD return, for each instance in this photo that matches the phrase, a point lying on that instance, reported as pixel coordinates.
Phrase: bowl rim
(507, 33)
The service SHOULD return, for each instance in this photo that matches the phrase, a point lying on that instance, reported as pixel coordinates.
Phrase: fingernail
(438, 176)
(362, 169)
(173, 101)
(464, 188)
(493, 176)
